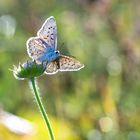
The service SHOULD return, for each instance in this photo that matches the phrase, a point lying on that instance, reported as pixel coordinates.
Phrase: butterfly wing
(45, 42)
(63, 63)
(52, 68)
(48, 32)
(67, 63)
(36, 47)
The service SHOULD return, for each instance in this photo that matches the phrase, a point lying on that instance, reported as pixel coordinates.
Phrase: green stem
(41, 108)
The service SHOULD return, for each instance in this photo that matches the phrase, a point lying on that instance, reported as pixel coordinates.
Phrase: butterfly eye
(57, 52)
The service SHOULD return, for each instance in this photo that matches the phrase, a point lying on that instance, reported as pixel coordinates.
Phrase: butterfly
(43, 48)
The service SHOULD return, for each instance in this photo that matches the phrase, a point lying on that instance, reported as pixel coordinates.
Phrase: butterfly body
(43, 48)
(49, 55)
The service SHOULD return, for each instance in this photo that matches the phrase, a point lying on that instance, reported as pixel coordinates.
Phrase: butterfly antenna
(62, 45)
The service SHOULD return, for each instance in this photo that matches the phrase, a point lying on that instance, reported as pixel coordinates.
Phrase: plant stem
(41, 108)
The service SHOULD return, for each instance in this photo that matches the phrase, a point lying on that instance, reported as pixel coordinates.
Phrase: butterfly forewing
(48, 32)
(67, 63)
(63, 63)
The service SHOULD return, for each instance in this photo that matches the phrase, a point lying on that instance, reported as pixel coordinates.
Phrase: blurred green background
(101, 101)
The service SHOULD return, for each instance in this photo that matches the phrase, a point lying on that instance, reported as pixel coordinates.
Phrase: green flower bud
(29, 69)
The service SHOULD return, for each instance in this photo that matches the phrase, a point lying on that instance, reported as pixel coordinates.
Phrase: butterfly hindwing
(35, 47)
(48, 32)
(52, 68)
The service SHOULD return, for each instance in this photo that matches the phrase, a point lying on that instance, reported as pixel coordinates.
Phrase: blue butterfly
(43, 48)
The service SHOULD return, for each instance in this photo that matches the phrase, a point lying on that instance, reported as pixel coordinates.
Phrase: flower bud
(28, 69)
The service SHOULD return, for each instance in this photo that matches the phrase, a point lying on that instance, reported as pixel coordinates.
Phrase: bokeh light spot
(114, 66)
(106, 124)
(7, 25)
